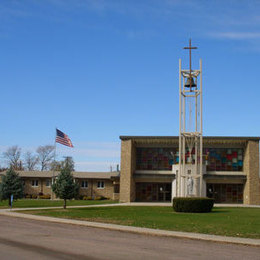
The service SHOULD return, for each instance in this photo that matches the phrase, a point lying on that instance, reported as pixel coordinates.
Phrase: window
(116, 188)
(101, 185)
(224, 159)
(48, 183)
(156, 158)
(84, 184)
(35, 183)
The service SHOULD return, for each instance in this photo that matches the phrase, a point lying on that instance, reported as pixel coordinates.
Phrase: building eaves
(244, 138)
(78, 175)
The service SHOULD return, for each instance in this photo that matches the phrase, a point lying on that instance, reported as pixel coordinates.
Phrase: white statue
(190, 186)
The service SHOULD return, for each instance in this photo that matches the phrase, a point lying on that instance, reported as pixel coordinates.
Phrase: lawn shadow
(219, 211)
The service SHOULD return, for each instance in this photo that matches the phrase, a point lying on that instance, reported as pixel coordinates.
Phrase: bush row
(195, 204)
(35, 196)
(90, 198)
(47, 196)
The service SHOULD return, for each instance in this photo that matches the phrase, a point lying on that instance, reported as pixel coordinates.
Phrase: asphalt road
(27, 239)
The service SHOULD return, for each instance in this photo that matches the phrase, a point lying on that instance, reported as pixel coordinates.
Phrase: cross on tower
(190, 48)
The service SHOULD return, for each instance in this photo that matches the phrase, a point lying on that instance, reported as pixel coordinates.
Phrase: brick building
(148, 171)
(92, 184)
(230, 175)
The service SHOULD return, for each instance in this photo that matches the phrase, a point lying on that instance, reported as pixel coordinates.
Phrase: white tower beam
(189, 173)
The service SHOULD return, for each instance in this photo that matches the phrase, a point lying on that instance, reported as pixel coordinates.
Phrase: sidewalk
(144, 231)
(159, 204)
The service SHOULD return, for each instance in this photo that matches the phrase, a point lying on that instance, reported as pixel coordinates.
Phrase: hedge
(195, 204)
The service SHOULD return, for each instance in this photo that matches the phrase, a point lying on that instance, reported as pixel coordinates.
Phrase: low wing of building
(92, 184)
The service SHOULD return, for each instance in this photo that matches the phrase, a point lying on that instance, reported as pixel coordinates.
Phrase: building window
(35, 183)
(84, 184)
(224, 159)
(100, 184)
(216, 159)
(116, 188)
(48, 183)
(156, 158)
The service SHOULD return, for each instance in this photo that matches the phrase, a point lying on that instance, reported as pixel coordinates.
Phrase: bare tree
(12, 156)
(45, 155)
(55, 166)
(68, 163)
(30, 161)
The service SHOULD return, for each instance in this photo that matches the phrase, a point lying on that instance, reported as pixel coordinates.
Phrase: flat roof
(255, 138)
(80, 175)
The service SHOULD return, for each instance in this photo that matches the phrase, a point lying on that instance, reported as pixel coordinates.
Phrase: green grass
(236, 222)
(35, 203)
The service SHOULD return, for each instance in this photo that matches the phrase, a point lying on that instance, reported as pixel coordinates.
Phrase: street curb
(138, 230)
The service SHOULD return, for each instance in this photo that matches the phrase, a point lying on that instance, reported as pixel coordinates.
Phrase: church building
(157, 168)
(230, 168)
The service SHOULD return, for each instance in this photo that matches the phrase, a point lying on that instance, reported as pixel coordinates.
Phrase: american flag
(63, 138)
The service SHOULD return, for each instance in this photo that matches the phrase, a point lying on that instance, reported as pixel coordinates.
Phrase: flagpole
(54, 160)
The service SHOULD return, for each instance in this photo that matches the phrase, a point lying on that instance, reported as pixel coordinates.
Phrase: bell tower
(189, 171)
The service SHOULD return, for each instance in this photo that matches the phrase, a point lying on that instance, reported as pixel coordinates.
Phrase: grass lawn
(236, 222)
(35, 203)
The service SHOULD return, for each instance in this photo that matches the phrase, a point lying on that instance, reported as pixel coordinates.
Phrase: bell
(190, 83)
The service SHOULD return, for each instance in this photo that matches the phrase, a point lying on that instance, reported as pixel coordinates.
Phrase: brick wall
(29, 189)
(127, 184)
(93, 191)
(251, 168)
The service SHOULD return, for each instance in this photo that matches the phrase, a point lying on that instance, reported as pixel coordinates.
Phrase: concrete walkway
(147, 231)
(159, 204)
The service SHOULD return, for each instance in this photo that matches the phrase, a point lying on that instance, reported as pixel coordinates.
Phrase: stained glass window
(216, 159)
(223, 159)
(156, 158)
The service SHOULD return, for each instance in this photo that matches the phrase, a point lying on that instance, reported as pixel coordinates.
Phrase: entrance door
(153, 191)
(226, 193)
(164, 190)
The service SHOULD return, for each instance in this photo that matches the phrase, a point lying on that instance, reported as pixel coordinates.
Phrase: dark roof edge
(125, 137)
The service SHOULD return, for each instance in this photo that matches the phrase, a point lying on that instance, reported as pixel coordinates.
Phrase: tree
(68, 162)
(55, 166)
(11, 184)
(30, 161)
(45, 155)
(12, 155)
(65, 187)
(58, 165)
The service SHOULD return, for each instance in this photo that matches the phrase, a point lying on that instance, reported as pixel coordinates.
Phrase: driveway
(30, 239)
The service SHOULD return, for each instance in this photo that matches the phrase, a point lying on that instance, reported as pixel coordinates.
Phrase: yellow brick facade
(127, 184)
(250, 178)
(29, 189)
(92, 190)
(251, 168)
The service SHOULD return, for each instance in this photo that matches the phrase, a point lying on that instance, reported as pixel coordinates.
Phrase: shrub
(195, 205)
(46, 197)
(98, 198)
(34, 196)
(28, 196)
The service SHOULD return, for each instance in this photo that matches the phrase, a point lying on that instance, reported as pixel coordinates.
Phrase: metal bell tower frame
(190, 176)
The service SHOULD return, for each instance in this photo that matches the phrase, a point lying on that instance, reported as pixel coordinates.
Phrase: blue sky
(100, 69)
